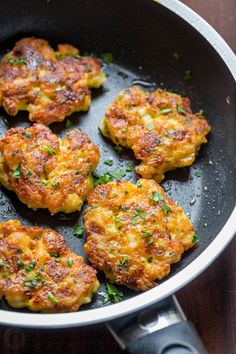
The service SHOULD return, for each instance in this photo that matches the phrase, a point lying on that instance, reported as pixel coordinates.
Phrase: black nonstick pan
(153, 44)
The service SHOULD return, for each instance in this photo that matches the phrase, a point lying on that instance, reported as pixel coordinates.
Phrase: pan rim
(170, 286)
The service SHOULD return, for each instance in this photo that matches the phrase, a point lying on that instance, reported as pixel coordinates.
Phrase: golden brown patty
(45, 171)
(159, 127)
(49, 84)
(134, 232)
(39, 271)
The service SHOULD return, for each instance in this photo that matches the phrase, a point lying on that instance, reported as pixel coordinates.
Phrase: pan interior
(156, 49)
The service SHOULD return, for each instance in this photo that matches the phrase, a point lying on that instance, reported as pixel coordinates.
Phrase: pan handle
(160, 329)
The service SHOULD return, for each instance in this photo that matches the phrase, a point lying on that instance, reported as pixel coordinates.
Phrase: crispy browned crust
(39, 271)
(49, 84)
(132, 237)
(54, 173)
(162, 140)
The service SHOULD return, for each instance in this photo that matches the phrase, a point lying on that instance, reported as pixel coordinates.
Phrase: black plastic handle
(180, 338)
(160, 329)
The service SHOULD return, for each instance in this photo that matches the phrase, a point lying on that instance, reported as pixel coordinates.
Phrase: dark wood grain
(209, 301)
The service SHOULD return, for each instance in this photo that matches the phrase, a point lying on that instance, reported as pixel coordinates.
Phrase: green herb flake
(150, 259)
(118, 149)
(49, 149)
(157, 197)
(123, 130)
(126, 192)
(5, 275)
(70, 262)
(17, 61)
(105, 178)
(123, 261)
(108, 162)
(31, 283)
(150, 242)
(107, 58)
(46, 182)
(68, 123)
(117, 174)
(117, 219)
(111, 250)
(128, 167)
(27, 269)
(52, 298)
(19, 262)
(139, 185)
(198, 173)
(78, 230)
(147, 233)
(201, 112)
(1, 263)
(141, 213)
(32, 264)
(195, 238)
(171, 132)
(188, 74)
(17, 173)
(165, 110)
(180, 109)
(105, 89)
(166, 209)
(114, 295)
(27, 134)
(134, 220)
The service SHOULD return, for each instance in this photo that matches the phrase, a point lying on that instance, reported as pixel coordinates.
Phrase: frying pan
(144, 37)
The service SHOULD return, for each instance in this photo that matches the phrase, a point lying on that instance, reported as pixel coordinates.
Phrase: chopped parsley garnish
(5, 275)
(52, 298)
(31, 283)
(201, 112)
(49, 149)
(107, 58)
(118, 149)
(128, 167)
(1, 263)
(68, 123)
(17, 61)
(198, 173)
(27, 134)
(171, 132)
(105, 178)
(123, 129)
(61, 56)
(19, 262)
(117, 219)
(63, 217)
(195, 238)
(134, 220)
(27, 269)
(113, 294)
(117, 174)
(46, 182)
(126, 192)
(105, 89)
(17, 173)
(165, 110)
(166, 209)
(157, 197)
(108, 162)
(122, 74)
(188, 74)
(139, 185)
(123, 261)
(150, 242)
(57, 257)
(141, 213)
(180, 109)
(32, 264)
(147, 233)
(70, 262)
(78, 230)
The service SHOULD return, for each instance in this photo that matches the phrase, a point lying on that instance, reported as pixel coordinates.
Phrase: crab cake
(39, 271)
(45, 171)
(159, 127)
(49, 84)
(135, 232)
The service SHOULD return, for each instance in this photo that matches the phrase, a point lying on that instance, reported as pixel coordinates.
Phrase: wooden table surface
(209, 301)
